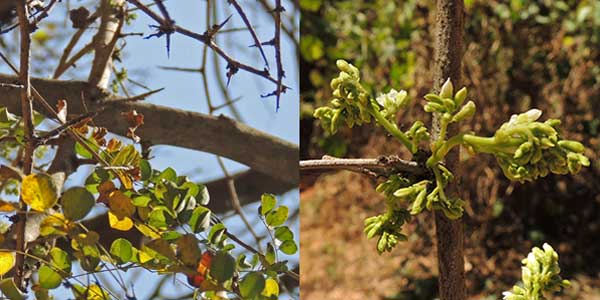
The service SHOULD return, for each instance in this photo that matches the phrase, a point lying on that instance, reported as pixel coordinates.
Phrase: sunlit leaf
(267, 203)
(77, 203)
(6, 207)
(121, 249)
(277, 216)
(123, 224)
(49, 279)
(54, 224)
(147, 231)
(39, 191)
(271, 288)
(7, 262)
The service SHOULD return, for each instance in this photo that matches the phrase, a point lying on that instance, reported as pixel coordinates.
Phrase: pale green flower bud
(460, 96)
(465, 112)
(572, 146)
(447, 89)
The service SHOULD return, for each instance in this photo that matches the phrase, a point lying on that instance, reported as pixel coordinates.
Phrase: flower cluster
(353, 105)
(527, 149)
(387, 226)
(540, 275)
(350, 103)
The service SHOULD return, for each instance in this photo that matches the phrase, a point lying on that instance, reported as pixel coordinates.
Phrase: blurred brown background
(518, 55)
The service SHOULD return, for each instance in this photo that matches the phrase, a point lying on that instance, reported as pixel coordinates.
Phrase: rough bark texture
(449, 234)
(167, 126)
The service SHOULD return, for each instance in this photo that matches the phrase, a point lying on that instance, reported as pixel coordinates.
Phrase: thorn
(135, 98)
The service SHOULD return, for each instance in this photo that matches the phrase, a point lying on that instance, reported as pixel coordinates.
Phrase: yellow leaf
(271, 288)
(39, 191)
(6, 207)
(123, 224)
(97, 293)
(147, 231)
(144, 257)
(54, 224)
(7, 262)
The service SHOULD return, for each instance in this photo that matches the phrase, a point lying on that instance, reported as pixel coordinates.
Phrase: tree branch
(105, 40)
(383, 165)
(26, 112)
(167, 126)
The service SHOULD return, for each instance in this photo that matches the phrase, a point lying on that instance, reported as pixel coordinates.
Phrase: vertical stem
(26, 112)
(449, 233)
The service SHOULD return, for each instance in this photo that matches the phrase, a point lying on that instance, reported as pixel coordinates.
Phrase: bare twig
(383, 165)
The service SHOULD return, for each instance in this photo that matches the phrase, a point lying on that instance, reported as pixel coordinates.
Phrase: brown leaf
(61, 110)
(120, 205)
(79, 17)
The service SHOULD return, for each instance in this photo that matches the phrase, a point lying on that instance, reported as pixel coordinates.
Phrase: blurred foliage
(517, 55)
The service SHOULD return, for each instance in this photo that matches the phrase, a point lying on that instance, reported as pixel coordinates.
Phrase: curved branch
(168, 126)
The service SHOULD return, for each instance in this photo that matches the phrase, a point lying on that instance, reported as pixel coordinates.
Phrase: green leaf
(82, 151)
(142, 201)
(288, 247)
(223, 267)
(145, 170)
(157, 218)
(267, 203)
(200, 219)
(171, 235)
(215, 235)
(241, 262)
(203, 196)
(252, 285)
(168, 174)
(283, 234)
(77, 203)
(277, 216)
(270, 256)
(10, 290)
(7, 119)
(122, 250)
(49, 279)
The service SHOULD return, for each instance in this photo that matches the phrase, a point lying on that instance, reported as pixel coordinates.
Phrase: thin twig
(208, 40)
(244, 17)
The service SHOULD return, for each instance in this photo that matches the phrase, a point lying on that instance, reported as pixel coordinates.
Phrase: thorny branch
(208, 39)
